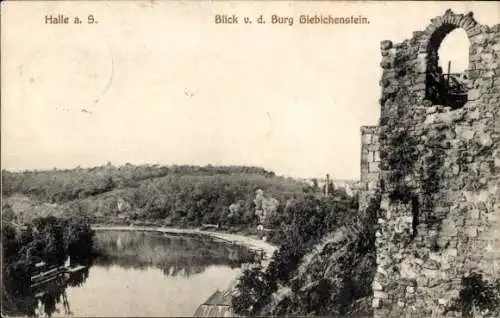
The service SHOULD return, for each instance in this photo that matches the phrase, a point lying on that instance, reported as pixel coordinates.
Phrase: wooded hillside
(173, 195)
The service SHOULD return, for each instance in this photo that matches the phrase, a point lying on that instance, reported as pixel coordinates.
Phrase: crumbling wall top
(411, 68)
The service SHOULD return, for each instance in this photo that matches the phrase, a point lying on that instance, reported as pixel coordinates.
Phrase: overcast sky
(159, 82)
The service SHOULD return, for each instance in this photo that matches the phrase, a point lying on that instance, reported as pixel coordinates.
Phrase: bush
(477, 294)
(305, 222)
(254, 289)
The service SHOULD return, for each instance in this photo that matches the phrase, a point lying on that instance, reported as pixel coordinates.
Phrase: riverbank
(252, 243)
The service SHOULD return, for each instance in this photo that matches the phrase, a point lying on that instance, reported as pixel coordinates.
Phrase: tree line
(57, 186)
(175, 195)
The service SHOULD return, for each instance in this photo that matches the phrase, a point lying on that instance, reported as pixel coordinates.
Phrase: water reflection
(174, 255)
(144, 256)
(42, 300)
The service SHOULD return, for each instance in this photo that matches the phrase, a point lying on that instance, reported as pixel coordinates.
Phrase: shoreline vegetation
(39, 254)
(52, 225)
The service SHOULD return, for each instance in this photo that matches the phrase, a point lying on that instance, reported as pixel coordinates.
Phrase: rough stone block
(386, 45)
(471, 231)
(376, 286)
(380, 295)
(422, 281)
(488, 57)
(430, 273)
(485, 140)
(366, 139)
(452, 252)
(474, 214)
(445, 265)
(492, 217)
(407, 270)
(465, 132)
(473, 94)
(373, 167)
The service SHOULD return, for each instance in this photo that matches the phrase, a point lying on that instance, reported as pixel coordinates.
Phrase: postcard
(250, 158)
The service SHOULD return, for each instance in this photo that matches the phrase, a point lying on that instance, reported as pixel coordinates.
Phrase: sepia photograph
(250, 158)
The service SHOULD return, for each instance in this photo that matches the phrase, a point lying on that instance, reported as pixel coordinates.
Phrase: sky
(158, 82)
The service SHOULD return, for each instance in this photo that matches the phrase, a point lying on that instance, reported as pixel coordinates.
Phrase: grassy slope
(335, 275)
(333, 278)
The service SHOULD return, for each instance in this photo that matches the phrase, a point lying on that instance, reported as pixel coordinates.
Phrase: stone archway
(437, 87)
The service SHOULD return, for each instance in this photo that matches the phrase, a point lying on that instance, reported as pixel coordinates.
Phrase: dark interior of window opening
(415, 211)
(446, 83)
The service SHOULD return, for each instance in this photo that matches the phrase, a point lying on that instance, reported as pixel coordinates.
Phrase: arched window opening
(448, 64)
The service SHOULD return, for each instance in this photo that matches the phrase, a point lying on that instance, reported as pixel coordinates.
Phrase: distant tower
(327, 185)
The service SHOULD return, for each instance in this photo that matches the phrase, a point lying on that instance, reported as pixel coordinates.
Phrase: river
(147, 274)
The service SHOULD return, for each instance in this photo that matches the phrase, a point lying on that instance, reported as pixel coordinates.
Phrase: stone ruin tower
(433, 162)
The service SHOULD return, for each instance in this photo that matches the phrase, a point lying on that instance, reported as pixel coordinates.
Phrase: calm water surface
(149, 274)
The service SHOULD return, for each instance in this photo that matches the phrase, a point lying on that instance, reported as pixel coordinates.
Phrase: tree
(331, 188)
(78, 239)
(8, 213)
(254, 289)
(315, 184)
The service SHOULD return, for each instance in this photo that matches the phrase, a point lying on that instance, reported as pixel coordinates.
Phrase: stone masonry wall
(370, 166)
(439, 215)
